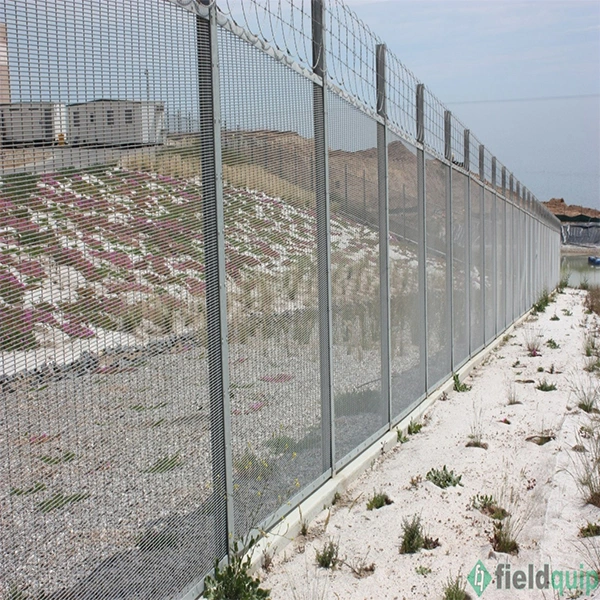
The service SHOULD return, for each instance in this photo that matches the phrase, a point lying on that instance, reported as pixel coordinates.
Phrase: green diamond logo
(479, 578)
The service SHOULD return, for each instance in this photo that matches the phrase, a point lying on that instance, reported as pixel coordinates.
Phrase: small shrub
(401, 437)
(413, 538)
(589, 530)
(592, 300)
(590, 345)
(379, 500)
(458, 386)
(542, 303)
(488, 505)
(544, 386)
(587, 392)
(234, 581)
(327, 558)
(502, 539)
(443, 478)
(531, 338)
(456, 589)
(414, 427)
(587, 466)
(552, 344)
(564, 281)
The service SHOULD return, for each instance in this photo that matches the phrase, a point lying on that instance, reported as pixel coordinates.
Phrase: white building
(116, 123)
(32, 123)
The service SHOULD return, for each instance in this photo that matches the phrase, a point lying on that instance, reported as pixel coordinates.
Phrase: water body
(580, 270)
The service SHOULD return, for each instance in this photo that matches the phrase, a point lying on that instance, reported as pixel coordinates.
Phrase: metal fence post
(214, 252)
(495, 246)
(323, 234)
(467, 163)
(483, 240)
(449, 231)
(384, 235)
(506, 249)
(422, 253)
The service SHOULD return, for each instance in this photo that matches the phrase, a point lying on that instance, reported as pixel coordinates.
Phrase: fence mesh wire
(166, 218)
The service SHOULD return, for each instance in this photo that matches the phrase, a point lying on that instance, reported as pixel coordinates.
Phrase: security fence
(237, 246)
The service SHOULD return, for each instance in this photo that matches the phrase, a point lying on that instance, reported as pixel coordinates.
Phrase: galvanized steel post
(323, 234)
(384, 235)
(422, 253)
(214, 253)
(449, 232)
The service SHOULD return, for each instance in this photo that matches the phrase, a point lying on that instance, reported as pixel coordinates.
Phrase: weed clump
(327, 558)
(379, 500)
(488, 505)
(589, 530)
(456, 589)
(503, 540)
(544, 386)
(458, 386)
(414, 427)
(443, 478)
(414, 538)
(234, 581)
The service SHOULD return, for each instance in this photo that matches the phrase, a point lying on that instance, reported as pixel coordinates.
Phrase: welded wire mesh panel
(510, 264)
(474, 155)
(284, 25)
(460, 269)
(106, 480)
(401, 97)
(356, 369)
(500, 275)
(457, 140)
(408, 371)
(476, 266)
(350, 50)
(437, 271)
(487, 167)
(271, 261)
(489, 220)
(434, 124)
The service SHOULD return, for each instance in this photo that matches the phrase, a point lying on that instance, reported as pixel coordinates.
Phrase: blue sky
(493, 50)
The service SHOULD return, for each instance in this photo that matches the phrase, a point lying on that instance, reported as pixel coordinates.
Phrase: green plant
(512, 395)
(590, 345)
(476, 435)
(233, 581)
(587, 465)
(165, 464)
(250, 465)
(327, 558)
(531, 337)
(544, 386)
(488, 505)
(587, 392)
(567, 312)
(413, 537)
(59, 500)
(64, 457)
(589, 530)
(540, 369)
(543, 301)
(456, 589)
(503, 540)
(585, 283)
(336, 498)
(458, 386)
(554, 317)
(552, 344)
(401, 437)
(414, 427)
(564, 281)
(379, 500)
(422, 570)
(37, 486)
(443, 478)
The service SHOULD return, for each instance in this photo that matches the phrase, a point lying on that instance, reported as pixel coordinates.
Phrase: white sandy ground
(547, 502)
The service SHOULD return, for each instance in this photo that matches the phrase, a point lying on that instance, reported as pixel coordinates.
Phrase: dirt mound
(558, 206)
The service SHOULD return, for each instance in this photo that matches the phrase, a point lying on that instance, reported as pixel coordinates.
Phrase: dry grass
(592, 300)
